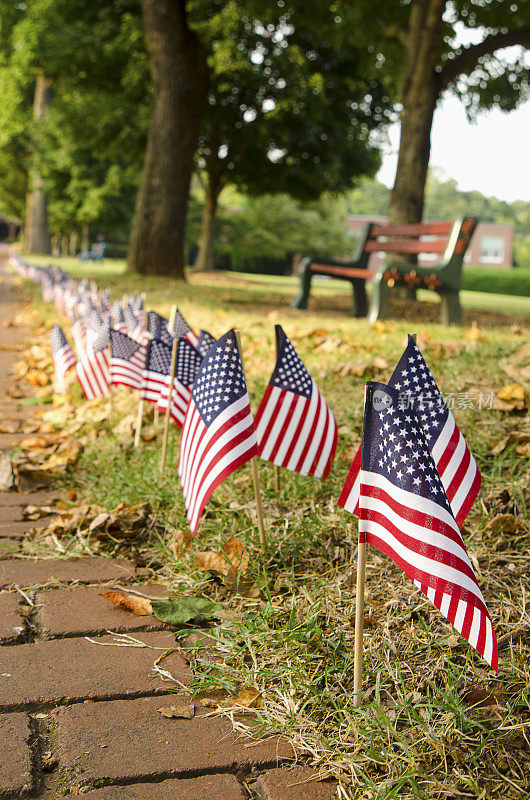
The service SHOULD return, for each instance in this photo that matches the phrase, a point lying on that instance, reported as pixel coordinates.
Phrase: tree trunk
(180, 84)
(205, 258)
(85, 237)
(420, 94)
(36, 234)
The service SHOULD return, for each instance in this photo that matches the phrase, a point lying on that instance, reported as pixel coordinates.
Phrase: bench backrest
(448, 239)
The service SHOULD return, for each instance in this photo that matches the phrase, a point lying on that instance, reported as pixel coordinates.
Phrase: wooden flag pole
(172, 315)
(359, 620)
(139, 419)
(359, 626)
(174, 352)
(255, 474)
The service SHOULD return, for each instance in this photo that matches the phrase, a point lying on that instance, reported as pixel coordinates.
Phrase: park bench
(449, 240)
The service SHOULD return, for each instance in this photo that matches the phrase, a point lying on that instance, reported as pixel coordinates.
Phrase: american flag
(62, 354)
(457, 467)
(127, 359)
(404, 512)
(218, 433)
(79, 335)
(205, 342)
(93, 374)
(156, 369)
(181, 328)
(188, 362)
(294, 426)
(130, 319)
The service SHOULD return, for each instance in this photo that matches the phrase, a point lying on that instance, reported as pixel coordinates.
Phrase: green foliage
(293, 99)
(276, 226)
(180, 610)
(498, 281)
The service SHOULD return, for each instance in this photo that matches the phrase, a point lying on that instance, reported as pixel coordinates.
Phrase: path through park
(78, 705)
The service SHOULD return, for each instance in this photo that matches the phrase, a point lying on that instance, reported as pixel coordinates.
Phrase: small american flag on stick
(218, 434)
(455, 463)
(404, 512)
(156, 370)
(188, 362)
(127, 360)
(294, 426)
(62, 354)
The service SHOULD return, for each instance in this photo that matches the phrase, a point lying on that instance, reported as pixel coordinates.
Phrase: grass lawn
(436, 723)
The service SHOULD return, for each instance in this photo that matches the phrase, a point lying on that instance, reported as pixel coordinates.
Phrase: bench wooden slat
(414, 229)
(341, 272)
(406, 246)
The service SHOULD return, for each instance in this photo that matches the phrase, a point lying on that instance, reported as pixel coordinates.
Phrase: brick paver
(15, 754)
(12, 627)
(26, 572)
(161, 746)
(209, 787)
(77, 612)
(295, 783)
(14, 499)
(18, 529)
(70, 670)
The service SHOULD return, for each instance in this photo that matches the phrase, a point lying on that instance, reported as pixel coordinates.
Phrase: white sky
(491, 155)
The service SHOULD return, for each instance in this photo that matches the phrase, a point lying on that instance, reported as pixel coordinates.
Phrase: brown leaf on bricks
(140, 606)
(184, 711)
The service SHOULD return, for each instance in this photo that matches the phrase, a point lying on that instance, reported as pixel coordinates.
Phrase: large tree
(179, 83)
(292, 107)
(433, 38)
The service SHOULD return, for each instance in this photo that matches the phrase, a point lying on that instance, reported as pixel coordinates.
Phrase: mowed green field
(420, 733)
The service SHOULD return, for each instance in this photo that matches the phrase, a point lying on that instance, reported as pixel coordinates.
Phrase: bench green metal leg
(360, 304)
(379, 299)
(450, 309)
(300, 301)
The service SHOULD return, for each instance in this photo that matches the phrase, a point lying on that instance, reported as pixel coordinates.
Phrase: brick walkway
(80, 716)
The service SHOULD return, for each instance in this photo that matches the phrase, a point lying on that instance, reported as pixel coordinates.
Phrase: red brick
(26, 573)
(295, 783)
(12, 627)
(77, 612)
(209, 787)
(8, 499)
(71, 670)
(140, 744)
(10, 514)
(15, 754)
(17, 530)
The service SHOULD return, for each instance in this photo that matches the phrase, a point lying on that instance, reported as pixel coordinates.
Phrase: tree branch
(390, 30)
(466, 60)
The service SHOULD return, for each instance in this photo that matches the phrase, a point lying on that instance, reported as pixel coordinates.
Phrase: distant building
(491, 245)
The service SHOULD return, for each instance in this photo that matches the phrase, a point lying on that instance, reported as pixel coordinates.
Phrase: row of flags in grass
(412, 482)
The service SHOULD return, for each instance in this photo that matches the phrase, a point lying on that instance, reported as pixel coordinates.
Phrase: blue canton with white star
(188, 362)
(101, 339)
(158, 357)
(57, 338)
(395, 445)
(130, 319)
(122, 346)
(220, 380)
(289, 373)
(417, 387)
(206, 340)
(180, 326)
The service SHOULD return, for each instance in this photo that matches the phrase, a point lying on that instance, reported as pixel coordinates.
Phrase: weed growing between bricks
(436, 722)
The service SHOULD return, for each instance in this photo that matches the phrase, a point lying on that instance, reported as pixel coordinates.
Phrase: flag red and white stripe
(93, 374)
(218, 433)
(127, 360)
(294, 426)
(188, 362)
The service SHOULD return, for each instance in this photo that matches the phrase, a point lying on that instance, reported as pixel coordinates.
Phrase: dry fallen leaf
(140, 606)
(36, 512)
(249, 698)
(184, 711)
(521, 439)
(512, 397)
